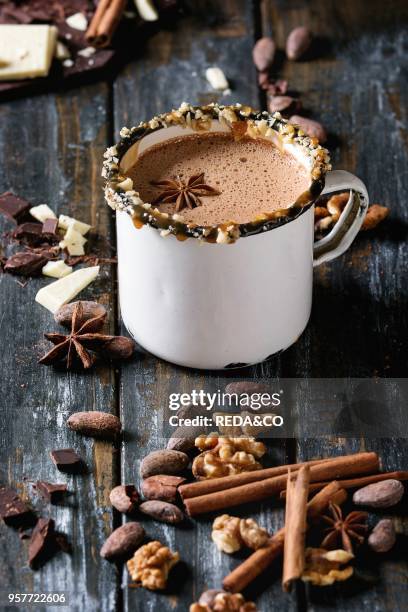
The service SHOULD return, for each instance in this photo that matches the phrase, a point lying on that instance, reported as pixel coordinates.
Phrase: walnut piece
(322, 567)
(252, 534)
(223, 602)
(375, 214)
(231, 533)
(150, 565)
(225, 456)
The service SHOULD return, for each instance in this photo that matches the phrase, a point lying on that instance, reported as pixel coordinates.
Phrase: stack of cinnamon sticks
(104, 22)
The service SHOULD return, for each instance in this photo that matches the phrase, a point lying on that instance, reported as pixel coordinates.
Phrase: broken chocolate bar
(13, 510)
(13, 207)
(29, 233)
(67, 460)
(51, 492)
(50, 227)
(25, 264)
(42, 543)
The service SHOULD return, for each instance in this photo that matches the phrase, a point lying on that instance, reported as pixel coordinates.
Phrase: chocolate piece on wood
(67, 460)
(29, 233)
(50, 229)
(25, 264)
(13, 207)
(13, 511)
(51, 492)
(42, 543)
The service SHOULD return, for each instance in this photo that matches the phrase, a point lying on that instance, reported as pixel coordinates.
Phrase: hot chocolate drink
(220, 179)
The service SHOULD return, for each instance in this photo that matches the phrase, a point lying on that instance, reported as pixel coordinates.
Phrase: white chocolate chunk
(56, 294)
(87, 52)
(42, 212)
(146, 10)
(62, 51)
(56, 269)
(73, 242)
(77, 21)
(216, 78)
(26, 51)
(64, 222)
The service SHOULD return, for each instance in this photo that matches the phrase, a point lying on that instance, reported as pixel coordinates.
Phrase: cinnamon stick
(356, 483)
(297, 488)
(104, 22)
(363, 463)
(262, 558)
(204, 487)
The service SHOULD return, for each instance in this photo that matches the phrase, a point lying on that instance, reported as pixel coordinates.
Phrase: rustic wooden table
(51, 149)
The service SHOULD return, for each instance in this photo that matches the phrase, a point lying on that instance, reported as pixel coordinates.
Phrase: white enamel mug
(214, 305)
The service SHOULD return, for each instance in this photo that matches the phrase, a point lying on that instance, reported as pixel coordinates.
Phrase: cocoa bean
(163, 462)
(246, 387)
(124, 498)
(123, 542)
(90, 310)
(283, 104)
(118, 347)
(312, 128)
(162, 511)
(380, 494)
(383, 536)
(95, 424)
(263, 53)
(162, 487)
(298, 42)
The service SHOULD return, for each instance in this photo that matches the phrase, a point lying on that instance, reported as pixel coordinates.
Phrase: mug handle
(350, 220)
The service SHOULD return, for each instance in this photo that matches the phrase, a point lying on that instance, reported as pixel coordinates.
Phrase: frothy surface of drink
(253, 176)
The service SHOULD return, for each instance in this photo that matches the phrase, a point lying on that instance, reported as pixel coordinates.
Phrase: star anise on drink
(184, 194)
(344, 529)
(84, 341)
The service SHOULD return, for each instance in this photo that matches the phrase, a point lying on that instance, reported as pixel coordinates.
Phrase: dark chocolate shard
(42, 543)
(50, 229)
(25, 264)
(29, 233)
(14, 512)
(51, 492)
(13, 207)
(67, 460)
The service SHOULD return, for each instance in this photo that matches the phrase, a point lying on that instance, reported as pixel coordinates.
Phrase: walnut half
(225, 456)
(150, 565)
(220, 601)
(231, 533)
(322, 567)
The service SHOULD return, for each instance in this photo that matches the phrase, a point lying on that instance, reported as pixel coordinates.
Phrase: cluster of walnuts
(231, 533)
(327, 215)
(151, 564)
(224, 456)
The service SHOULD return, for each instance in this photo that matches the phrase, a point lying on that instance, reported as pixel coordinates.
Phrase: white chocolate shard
(60, 292)
(146, 10)
(26, 51)
(56, 269)
(87, 52)
(216, 78)
(77, 21)
(42, 212)
(62, 51)
(73, 242)
(65, 222)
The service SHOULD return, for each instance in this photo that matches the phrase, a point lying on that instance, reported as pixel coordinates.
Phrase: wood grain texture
(50, 152)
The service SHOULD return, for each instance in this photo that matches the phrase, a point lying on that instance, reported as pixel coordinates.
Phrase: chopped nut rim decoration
(242, 121)
(185, 195)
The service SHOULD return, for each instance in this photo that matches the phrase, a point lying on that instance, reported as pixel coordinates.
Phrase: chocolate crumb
(14, 512)
(51, 492)
(67, 460)
(13, 207)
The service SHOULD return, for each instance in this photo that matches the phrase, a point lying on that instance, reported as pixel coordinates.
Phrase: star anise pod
(185, 195)
(84, 341)
(352, 527)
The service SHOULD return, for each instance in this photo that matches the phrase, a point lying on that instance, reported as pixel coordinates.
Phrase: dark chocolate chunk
(42, 543)
(25, 264)
(13, 206)
(51, 492)
(13, 510)
(50, 228)
(29, 233)
(67, 460)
